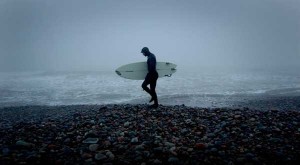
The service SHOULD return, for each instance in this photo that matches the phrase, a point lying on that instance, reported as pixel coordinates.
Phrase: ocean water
(201, 88)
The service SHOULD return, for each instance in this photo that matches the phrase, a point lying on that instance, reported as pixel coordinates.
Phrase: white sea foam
(56, 88)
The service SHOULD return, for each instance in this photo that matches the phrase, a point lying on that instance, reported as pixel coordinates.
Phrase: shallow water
(202, 88)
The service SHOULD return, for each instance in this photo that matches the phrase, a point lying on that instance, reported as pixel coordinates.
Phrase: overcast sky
(104, 34)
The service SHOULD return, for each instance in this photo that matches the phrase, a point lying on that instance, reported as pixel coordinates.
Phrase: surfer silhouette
(151, 77)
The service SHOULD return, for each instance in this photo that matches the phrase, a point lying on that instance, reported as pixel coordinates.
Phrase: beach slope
(134, 134)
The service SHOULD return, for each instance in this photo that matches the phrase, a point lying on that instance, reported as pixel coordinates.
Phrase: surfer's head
(145, 51)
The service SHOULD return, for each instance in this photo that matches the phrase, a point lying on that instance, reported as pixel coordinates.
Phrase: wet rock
(252, 119)
(126, 124)
(110, 155)
(237, 116)
(221, 153)
(91, 140)
(172, 151)
(275, 140)
(173, 160)
(240, 159)
(67, 140)
(169, 145)
(249, 155)
(67, 150)
(106, 143)
(24, 144)
(89, 161)
(120, 139)
(158, 150)
(188, 121)
(93, 147)
(138, 158)
(211, 134)
(134, 140)
(100, 156)
(146, 154)
(5, 151)
(92, 122)
(86, 155)
(156, 161)
(200, 146)
(139, 147)
(184, 131)
(213, 149)
(122, 134)
(90, 134)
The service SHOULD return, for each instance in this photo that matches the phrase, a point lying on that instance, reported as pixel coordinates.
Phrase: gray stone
(134, 140)
(158, 150)
(250, 155)
(93, 147)
(173, 160)
(237, 116)
(139, 147)
(91, 140)
(213, 149)
(5, 151)
(156, 161)
(240, 159)
(184, 131)
(24, 144)
(138, 158)
(67, 140)
(100, 156)
(110, 155)
(126, 124)
(221, 153)
(169, 145)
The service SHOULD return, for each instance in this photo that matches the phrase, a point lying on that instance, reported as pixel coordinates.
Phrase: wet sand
(134, 134)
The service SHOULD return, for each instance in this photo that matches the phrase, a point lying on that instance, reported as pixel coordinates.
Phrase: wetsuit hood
(145, 50)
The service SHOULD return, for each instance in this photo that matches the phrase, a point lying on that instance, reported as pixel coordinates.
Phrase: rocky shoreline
(134, 134)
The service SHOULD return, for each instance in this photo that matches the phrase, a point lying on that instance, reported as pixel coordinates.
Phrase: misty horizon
(103, 35)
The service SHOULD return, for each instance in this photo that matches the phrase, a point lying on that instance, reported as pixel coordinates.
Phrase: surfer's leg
(145, 84)
(153, 92)
(152, 89)
(154, 96)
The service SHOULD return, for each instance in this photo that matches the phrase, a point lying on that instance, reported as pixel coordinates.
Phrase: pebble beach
(135, 134)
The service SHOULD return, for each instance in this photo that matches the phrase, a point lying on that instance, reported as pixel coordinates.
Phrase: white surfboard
(139, 70)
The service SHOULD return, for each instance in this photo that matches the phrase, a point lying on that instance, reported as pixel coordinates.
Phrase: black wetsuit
(151, 77)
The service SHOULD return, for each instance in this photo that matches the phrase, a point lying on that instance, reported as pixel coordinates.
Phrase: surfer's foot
(152, 99)
(154, 106)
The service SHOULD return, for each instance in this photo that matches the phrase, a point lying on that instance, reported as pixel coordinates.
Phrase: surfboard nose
(118, 73)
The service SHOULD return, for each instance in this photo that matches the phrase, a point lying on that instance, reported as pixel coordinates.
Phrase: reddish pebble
(200, 146)
(51, 146)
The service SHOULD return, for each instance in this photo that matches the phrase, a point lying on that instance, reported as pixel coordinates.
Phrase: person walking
(151, 77)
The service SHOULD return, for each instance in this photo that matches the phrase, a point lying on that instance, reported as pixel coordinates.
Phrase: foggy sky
(104, 34)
